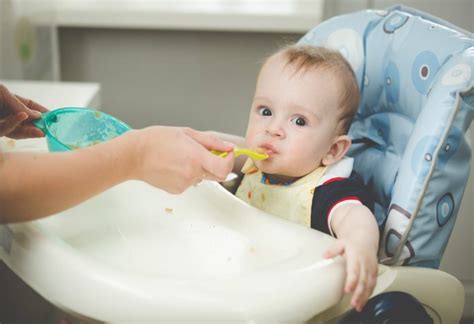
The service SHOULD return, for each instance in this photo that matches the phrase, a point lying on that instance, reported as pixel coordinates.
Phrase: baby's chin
(268, 168)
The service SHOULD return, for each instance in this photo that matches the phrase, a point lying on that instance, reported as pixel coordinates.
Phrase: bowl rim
(53, 113)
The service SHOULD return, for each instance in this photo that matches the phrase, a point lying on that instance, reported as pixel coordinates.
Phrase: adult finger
(26, 131)
(10, 104)
(11, 122)
(208, 176)
(209, 141)
(216, 166)
(32, 104)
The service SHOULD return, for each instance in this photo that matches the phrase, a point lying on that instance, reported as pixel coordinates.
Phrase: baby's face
(293, 117)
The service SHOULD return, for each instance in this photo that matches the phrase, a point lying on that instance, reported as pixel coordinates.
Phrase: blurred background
(188, 63)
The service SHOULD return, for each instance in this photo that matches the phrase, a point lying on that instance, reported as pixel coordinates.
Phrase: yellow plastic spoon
(243, 151)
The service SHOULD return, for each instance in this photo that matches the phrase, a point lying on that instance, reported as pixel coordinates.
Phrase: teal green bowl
(72, 128)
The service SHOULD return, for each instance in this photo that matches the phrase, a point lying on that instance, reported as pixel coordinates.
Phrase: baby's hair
(306, 57)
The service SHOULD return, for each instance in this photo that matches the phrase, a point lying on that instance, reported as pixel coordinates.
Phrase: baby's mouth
(267, 149)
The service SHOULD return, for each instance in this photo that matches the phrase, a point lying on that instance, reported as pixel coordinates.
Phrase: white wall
(200, 79)
(17, 30)
(7, 63)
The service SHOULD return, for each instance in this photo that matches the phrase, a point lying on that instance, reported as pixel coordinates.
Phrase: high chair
(136, 254)
(410, 141)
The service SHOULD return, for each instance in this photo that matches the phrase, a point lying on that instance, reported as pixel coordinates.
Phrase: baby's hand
(361, 271)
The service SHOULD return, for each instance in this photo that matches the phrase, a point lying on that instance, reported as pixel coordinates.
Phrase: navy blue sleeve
(333, 191)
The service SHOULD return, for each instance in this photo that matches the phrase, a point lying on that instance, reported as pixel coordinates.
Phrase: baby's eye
(300, 121)
(264, 111)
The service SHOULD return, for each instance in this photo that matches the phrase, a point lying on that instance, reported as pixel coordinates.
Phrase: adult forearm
(34, 185)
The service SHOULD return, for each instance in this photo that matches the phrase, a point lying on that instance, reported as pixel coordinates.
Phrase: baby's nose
(274, 129)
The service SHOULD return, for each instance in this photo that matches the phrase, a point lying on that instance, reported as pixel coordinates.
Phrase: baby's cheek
(297, 152)
(306, 158)
(250, 137)
(249, 140)
(296, 157)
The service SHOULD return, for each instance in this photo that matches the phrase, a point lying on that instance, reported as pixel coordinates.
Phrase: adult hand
(16, 114)
(174, 158)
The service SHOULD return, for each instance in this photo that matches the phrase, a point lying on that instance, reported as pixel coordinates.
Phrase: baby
(304, 102)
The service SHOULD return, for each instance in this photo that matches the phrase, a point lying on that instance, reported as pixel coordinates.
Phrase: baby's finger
(334, 250)
(359, 296)
(352, 277)
(370, 285)
(369, 288)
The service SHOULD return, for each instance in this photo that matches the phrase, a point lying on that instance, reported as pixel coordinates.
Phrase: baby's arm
(358, 238)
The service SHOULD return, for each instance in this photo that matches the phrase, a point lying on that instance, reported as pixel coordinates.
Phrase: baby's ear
(337, 150)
